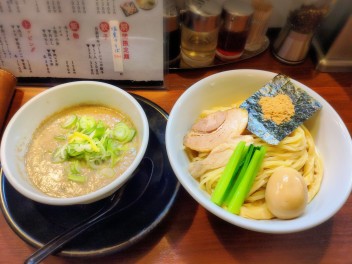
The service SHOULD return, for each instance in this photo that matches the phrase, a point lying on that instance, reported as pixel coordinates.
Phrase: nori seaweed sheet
(305, 106)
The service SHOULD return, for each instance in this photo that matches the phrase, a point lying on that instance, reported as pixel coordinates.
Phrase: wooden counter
(189, 234)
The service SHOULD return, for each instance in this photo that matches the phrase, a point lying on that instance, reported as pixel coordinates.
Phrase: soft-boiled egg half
(286, 193)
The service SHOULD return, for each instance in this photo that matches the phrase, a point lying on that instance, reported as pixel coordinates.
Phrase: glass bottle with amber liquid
(199, 32)
(234, 30)
(172, 32)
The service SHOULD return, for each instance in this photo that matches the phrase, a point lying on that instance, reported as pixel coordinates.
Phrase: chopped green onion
(113, 146)
(70, 121)
(99, 130)
(59, 155)
(80, 136)
(74, 149)
(121, 131)
(131, 135)
(76, 177)
(60, 137)
(75, 167)
(91, 142)
(87, 124)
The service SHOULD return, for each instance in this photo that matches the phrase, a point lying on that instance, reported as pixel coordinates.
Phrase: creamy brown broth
(51, 178)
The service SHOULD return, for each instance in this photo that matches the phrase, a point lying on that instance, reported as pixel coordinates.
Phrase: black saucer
(37, 223)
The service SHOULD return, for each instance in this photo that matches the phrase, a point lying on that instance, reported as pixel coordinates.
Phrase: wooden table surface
(189, 234)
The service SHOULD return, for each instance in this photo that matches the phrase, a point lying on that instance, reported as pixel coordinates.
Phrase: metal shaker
(293, 43)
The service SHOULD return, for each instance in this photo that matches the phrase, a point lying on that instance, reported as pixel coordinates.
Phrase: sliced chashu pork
(218, 157)
(215, 129)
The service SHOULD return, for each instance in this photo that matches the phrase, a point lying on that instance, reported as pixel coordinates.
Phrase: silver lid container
(171, 17)
(202, 16)
(237, 16)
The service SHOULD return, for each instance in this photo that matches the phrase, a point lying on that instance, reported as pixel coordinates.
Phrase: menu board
(83, 39)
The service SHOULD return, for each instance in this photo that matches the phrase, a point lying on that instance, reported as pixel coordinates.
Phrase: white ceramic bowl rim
(42, 198)
(176, 154)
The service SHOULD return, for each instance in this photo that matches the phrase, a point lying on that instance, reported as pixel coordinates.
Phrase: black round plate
(38, 223)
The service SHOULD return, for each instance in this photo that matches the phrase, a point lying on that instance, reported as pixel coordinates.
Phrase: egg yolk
(286, 193)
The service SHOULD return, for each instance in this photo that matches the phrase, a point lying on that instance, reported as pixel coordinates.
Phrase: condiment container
(172, 32)
(233, 33)
(294, 40)
(199, 32)
(259, 26)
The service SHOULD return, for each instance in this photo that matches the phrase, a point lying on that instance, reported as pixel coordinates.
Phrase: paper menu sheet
(85, 39)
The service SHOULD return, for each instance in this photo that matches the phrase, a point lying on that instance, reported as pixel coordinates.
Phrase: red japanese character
(74, 25)
(124, 27)
(104, 26)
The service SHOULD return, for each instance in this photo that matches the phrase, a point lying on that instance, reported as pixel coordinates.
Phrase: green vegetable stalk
(221, 188)
(238, 177)
(245, 184)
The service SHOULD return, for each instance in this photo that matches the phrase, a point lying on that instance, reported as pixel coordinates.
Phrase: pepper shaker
(293, 42)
